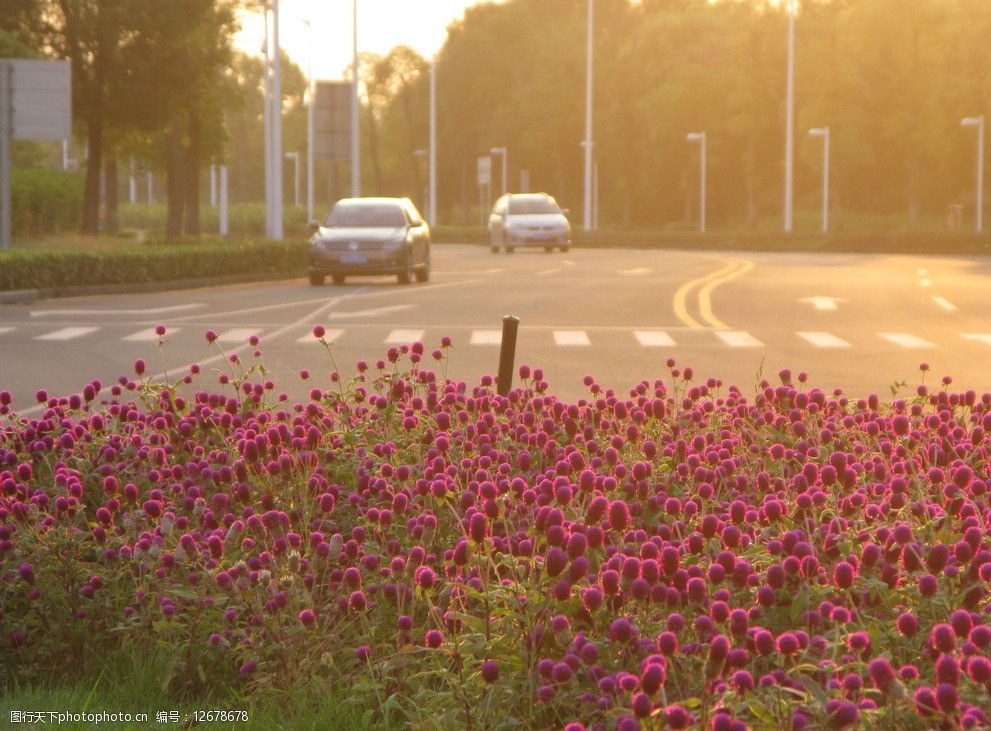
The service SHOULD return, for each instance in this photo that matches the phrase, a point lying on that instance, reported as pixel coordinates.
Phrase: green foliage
(863, 242)
(244, 219)
(151, 263)
(44, 201)
(891, 78)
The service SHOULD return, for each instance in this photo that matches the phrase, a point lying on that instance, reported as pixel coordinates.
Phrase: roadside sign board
(42, 100)
(485, 170)
(35, 104)
(332, 120)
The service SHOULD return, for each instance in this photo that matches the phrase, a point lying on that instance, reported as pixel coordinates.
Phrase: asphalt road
(858, 322)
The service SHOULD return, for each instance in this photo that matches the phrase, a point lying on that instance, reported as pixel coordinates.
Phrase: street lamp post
(309, 120)
(432, 184)
(355, 135)
(273, 128)
(504, 152)
(587, 142)
(700, 138)
(979, 123)
(790, 120)
(824, 133)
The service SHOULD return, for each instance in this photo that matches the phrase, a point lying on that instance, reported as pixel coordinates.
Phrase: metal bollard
(507, 353)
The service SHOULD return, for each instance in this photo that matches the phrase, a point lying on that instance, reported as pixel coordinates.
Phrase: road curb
(22, 296)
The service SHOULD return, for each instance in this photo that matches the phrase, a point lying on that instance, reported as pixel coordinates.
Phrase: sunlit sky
(382, 24)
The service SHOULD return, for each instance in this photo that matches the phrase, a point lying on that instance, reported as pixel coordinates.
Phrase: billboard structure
(35, 104)
(332, 120)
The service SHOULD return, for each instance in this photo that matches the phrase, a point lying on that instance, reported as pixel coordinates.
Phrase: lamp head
(694, 136)
(971, 121)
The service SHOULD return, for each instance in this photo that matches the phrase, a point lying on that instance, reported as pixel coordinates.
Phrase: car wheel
(338, 278)
(549, 249)
(510, 249)
(494, 249)
(406, 275)
(423, 273)
(316, 279)
(565, 249)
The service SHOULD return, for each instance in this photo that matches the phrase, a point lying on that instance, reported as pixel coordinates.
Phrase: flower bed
(680, 556)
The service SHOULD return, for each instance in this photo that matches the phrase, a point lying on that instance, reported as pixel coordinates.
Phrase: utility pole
(587, 143)
(355, 133)
(432, 209)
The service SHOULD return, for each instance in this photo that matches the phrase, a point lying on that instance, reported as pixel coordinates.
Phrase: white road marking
(823, 303)
(486, 337)
(469, 271)
(923, 272)
(824, 340)
(637, 271)
(330, 336)
(152, 311)
(148, 336)
(980, 337)
(945, 304)
(404, 337)
(236, 335)
(570, 338)
(738, 339)
(926, 283)
(5, 330)
(653, 338)
(371, 313)
(905, 340)
(548, 271)
(569, 262)
(67, 333)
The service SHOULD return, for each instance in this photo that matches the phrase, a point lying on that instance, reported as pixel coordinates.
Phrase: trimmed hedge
(861, 242)
(27, 269)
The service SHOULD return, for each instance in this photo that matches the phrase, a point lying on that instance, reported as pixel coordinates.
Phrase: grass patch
(137, 684)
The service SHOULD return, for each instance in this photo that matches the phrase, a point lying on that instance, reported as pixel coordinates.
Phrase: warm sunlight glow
(382, 24)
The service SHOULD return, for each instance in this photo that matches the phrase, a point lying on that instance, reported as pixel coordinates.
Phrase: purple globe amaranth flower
(948, 670)
(842, 714)
(844, 574)
(26, 571)
(641, 705)
(433, 639)
(677, 717)
(621, 630)
(947, 697)
(979, 669)
(788, 643)
(882, 674)
(490, 671)
(907, 624)
(943, 638)
(307, 617)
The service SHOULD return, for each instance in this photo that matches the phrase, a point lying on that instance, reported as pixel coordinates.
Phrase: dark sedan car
(371, 236)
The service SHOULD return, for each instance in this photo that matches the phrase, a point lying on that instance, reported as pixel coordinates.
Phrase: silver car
(528, 219)
(371, 236)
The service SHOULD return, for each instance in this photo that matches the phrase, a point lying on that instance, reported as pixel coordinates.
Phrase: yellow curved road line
(681, 296)
(705, 294)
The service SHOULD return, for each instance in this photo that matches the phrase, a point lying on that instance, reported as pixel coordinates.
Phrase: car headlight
(393, 244)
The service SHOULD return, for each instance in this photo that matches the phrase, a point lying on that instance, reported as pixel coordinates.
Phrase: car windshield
(366, 216)
(531, 206)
